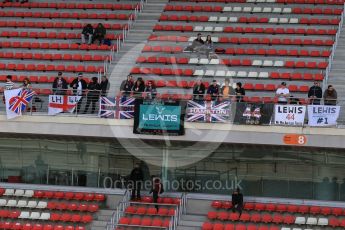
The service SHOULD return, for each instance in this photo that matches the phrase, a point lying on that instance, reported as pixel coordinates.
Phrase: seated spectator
(104, 86)
(151, 90)
(330, 96)
(213, 90)
(283, 94)
(197, 43)
(26, 83)
(226, 90)
(87, 33)
(93, 92)
(126, 86)
(198, 90)
(239, 92)
(315, 94)
(59, 85)
(99, 33)
(138, 87)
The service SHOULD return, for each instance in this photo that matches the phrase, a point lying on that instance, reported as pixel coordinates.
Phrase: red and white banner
(62, 103)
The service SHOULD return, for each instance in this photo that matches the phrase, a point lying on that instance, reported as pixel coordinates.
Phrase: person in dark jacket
(99, 33)
(104, 86)
(138, 87)
(136, 179)
(237, 201)
(315, 94)
(330, 96)
(213, 90)
(199, 90)
(93, 92)
(79, 86)
(240, 92)
(150, 90)
(60, 85)
(87, 34)
(156, 190)
(196, 45)
(126, 86)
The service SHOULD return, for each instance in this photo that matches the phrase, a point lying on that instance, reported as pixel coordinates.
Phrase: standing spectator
(138, 87)
(151, 90)
(87, 33)
(9, 83)
(213, 90)
(198, 90)
(237, 201)
(240, 92)
(282, 93)
(126, 86)
(92, 95)
(136, 179)
(59, 85)
(104, 86)
(157, 188)
(226, 90)
(315, 94)
(99, 33)
(196, 45)
(208, 46)
(330, 96)
(79, 86)
(26, 83)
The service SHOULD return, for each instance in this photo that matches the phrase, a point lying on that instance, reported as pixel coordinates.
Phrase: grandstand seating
(42, 210)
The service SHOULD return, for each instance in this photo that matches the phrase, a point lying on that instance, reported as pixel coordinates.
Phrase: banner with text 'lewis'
(323, 115)
(289, 115)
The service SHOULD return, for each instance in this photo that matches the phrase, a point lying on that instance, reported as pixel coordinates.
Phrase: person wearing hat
(197, 43)
(79, 86)
(283, 94)
(59, 85)
(213, 90)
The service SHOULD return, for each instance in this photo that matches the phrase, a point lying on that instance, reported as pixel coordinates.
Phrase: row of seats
(37, 226)
(161, 200)
(142, 210)
(292, 208)
(283, 20)
(256, 9)
(252, 40)
(63, 5)
(301, 220)
(52, 194)
(244, 30)
(67, 15)
(37, 79)
(230, 226)
(43, 67)
(141, 222)
(66, 25)
(51, 35)
(49, 56)
(53, 45)
(247, 51)
(314, 2)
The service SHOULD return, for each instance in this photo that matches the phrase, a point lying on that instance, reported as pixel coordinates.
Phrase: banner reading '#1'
(62, 103)
(289, 115)
(323, 115)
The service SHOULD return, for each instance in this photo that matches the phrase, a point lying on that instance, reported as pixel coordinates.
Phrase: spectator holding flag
(60, 85)
(26, 83)
(330, 96)
(8, 85)
(93, 90)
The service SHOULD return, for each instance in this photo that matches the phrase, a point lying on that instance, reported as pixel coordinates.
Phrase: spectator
(315, 94)
(237, 201)
(208, 46)
(294, 101)
(126, 86)
(226, 90)
(26, 83)
(151, 90)
(79, 86)
(136, 179)
(196, 45)
(213, 90)
(240, 92)
(199, 90)
(92, 95)
(138, 87)
(330, 96)
(9, 83)
(99, 33)
(282, 93)
(104, 86)
(59, 85)
(87, 33)
(157, 188)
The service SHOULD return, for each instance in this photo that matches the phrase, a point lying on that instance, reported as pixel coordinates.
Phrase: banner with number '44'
(323, 115)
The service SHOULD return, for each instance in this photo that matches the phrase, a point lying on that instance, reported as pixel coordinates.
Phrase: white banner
(62, 103)
(289, 115)
(323, 115)
(17, 101)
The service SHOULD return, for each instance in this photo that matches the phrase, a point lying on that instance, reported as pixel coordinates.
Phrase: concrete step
(187, 228)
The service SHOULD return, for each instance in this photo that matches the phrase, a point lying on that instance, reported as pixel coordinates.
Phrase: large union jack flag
(19, 103)
(208, 111)
(116, 108)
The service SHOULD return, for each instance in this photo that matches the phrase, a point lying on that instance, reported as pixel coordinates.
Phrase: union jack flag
(19, 103)
(208, 111)
(116, 108)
